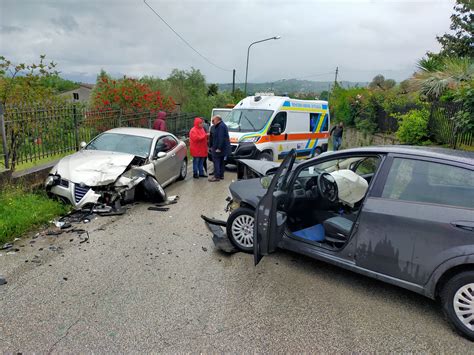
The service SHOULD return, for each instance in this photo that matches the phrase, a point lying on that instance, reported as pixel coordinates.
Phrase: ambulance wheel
(266, 156)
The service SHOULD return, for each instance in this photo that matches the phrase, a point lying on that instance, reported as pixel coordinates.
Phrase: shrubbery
(413, 126)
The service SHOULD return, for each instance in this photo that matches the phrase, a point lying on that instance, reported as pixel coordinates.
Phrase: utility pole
(335, 78)
(233, 81)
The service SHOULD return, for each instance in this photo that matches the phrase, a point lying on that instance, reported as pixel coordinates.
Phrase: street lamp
(248, 52)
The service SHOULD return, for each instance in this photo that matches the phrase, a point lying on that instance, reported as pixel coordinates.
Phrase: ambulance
(268, 127)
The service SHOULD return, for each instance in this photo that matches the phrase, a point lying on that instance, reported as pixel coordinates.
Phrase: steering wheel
(327, 187)
(312, 187)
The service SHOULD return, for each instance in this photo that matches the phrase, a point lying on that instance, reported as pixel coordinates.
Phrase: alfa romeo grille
(79, 192)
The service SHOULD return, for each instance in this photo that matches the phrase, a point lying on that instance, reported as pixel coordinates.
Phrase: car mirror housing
(82, 145)
(275, 129)
(266, 181)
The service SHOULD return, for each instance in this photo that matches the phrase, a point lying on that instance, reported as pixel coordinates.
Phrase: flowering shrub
(413, 126)
(128, 94)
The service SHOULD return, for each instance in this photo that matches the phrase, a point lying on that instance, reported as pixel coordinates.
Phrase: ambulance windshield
(247, 120)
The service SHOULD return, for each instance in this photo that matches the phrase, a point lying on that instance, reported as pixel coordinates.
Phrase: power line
(186, 42)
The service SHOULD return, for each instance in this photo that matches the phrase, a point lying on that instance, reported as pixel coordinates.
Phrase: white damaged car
(119, 165)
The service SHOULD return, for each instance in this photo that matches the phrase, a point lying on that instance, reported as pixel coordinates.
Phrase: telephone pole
(233, 81)
(335, 78)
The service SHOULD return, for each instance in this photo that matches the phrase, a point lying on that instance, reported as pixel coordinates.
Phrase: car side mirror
(82, 145)
(160, 155)
(275, 129)
(266, 181)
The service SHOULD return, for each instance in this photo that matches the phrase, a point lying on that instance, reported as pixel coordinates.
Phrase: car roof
(459, 156)
(142, 132)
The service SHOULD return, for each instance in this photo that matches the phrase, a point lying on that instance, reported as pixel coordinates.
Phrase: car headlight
(52, 180)
(250, 139)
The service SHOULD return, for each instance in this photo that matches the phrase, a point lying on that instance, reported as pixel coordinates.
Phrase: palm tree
(435, 76)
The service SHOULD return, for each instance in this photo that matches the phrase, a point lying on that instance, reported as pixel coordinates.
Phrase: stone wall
(354, 138)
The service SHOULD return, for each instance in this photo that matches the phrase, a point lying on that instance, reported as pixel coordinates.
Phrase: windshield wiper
(244, 116)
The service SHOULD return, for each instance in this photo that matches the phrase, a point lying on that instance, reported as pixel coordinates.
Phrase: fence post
(76, 126)
(120, 118)
(4, 136)
(149, 119)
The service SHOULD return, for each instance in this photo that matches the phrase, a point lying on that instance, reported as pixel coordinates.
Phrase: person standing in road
(220, 147)
(206, 128)
(198, 147)
(160, 123)
(336, 133)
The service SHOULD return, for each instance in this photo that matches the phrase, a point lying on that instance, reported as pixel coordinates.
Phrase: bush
(413, 126)
(20, 211)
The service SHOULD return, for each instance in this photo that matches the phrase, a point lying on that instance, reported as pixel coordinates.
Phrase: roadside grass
(21, 211)
(32, 164)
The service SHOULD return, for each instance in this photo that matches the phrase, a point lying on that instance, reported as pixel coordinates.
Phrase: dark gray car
(413, 227)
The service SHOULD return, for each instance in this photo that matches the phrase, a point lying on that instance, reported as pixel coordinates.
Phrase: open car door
(270, 218)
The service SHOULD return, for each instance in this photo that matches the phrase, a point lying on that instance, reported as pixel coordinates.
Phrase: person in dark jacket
(336, 133)
(220, 147)
(160, 123)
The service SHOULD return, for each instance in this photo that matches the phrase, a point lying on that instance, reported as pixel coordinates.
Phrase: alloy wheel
(463, 303)
(242, 230)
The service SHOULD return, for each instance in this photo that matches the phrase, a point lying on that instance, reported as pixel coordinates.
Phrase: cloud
(363, 38)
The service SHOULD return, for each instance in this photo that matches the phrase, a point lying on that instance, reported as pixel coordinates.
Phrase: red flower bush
(128, 94)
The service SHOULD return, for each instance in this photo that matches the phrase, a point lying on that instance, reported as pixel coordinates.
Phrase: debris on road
(3, 280)
(204, 249)
(6, 246)
(160, 209)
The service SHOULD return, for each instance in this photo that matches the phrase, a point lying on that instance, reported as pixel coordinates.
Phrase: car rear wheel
(457, 297)
(240, 227)
(183, 170)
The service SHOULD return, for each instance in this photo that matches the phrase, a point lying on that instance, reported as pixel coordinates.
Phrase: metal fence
(30, 134)
(443, 128)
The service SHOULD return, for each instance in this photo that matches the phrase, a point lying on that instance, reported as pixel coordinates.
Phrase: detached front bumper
(219, 236)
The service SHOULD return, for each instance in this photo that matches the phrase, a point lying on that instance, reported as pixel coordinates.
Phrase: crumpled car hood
(93, 167)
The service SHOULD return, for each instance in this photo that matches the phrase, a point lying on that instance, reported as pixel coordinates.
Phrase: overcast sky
(362, 37)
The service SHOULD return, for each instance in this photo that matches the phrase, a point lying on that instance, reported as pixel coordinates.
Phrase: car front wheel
(457, 298)
(183, 171)
(240, 227)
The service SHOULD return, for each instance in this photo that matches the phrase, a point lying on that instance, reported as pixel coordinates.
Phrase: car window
(315, 121)
(165, 144)
(430, 182)
(366, 166)
(280, 118)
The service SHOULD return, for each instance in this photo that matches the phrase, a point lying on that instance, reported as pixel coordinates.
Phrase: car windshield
(240, 120)
(122, 143)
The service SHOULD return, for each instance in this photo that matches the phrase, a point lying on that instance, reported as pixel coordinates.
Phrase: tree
(461, 42)
(22, 83)
(212, 90)
(380, 83)
(434, 79)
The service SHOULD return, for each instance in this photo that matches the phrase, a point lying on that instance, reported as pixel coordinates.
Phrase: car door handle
(466, 225)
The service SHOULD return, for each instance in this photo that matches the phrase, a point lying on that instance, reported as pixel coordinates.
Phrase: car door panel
(270, 218)
(409, 227)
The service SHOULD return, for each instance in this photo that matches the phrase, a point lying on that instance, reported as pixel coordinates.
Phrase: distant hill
(290, 86)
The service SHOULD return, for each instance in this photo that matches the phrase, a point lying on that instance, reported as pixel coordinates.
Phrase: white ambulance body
(268, 127)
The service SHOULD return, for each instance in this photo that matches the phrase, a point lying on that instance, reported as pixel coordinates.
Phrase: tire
(457, 296)
(266, 156)
(241, 218)
(183, 170)
(152, 190)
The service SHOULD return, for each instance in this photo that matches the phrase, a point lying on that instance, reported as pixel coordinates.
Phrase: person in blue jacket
(220, 147)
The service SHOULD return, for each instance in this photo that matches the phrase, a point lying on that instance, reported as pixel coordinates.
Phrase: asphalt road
(152, 281)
